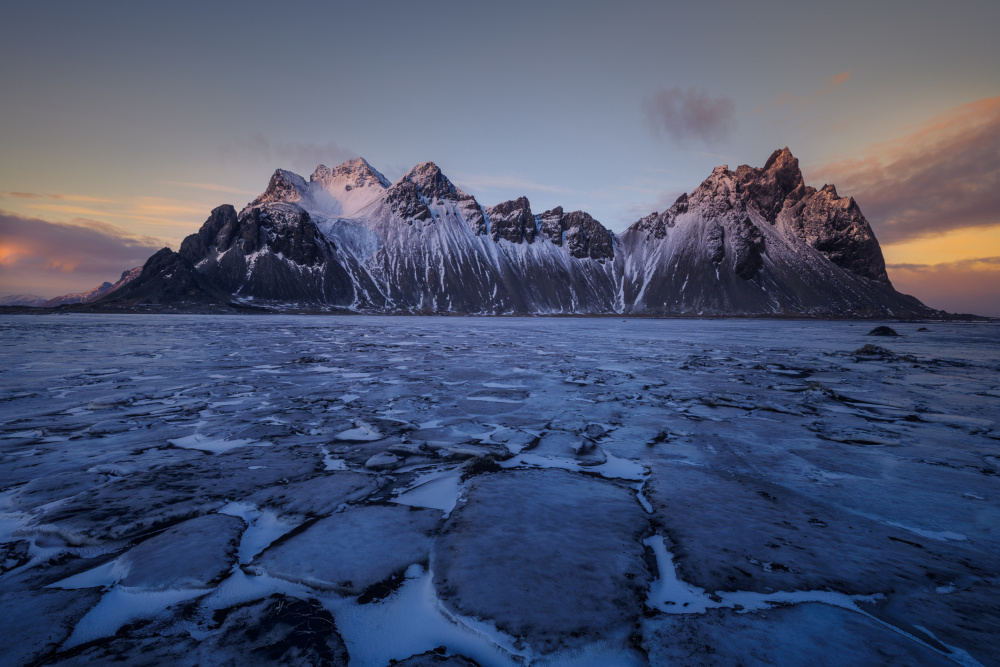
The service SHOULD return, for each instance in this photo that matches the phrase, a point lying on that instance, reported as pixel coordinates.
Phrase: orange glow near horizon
(10, 253)
(953, 246)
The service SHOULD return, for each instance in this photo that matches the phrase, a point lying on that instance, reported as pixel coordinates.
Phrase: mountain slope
(166, 278)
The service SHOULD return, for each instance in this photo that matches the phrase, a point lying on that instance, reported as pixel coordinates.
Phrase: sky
(123, 124)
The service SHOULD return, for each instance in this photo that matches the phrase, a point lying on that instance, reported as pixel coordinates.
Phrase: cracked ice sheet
(107, 393)
(673, 596)
(263, 528)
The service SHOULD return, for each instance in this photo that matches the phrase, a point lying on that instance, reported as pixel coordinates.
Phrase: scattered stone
(480, 466)
(883, 331)
(310, 360)
(280, 630)
(435, 658)
(877, 351)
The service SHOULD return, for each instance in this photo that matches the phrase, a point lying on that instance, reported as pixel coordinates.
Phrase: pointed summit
(783, 169)
(284, 186)
(430, 181)
(782, 159)
(776, 185)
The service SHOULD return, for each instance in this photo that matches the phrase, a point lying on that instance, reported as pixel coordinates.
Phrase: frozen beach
(497, 491)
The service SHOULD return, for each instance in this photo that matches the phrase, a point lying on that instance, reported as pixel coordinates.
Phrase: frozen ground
(454, 491)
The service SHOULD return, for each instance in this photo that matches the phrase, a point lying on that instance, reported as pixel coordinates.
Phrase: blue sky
(142, 116)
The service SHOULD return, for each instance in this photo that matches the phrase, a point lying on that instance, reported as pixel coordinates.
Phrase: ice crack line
(669, 594)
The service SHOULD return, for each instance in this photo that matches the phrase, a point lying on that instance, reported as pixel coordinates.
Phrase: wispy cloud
(57, 197)
(22, 195)
(980, 263)
(146, 213)
(838, 79)
(690, 114)
(796, 102)
(657, 201)
(473, 183)
(41, 256)
(301, 157)
(966, 286)
(943, 175)
(210, 187)
(157, 214)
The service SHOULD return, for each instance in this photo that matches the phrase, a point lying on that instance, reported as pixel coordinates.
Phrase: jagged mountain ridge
(757, 241)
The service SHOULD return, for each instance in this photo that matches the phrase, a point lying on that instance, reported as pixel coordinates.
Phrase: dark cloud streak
(944, 176)
(297, 156)
(690, 114)
(54, 258)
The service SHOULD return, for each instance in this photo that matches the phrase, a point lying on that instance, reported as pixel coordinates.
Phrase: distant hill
(93, 294)
(32, 300)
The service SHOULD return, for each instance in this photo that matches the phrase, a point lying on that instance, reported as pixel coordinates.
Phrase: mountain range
(89, 296)
(754, 241)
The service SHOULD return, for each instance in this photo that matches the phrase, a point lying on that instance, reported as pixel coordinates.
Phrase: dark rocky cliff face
(271, 251)
(832, 225)
(280, 228)
(218, 230)
(835, 226)
(424, 186)
(166, 278)
(657, 224)
(512, 221)
(777, 185)
(583, 236)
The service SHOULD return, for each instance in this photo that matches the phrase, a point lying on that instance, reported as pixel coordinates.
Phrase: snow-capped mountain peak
(356, 173)
(338, 192)
(345, 189)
